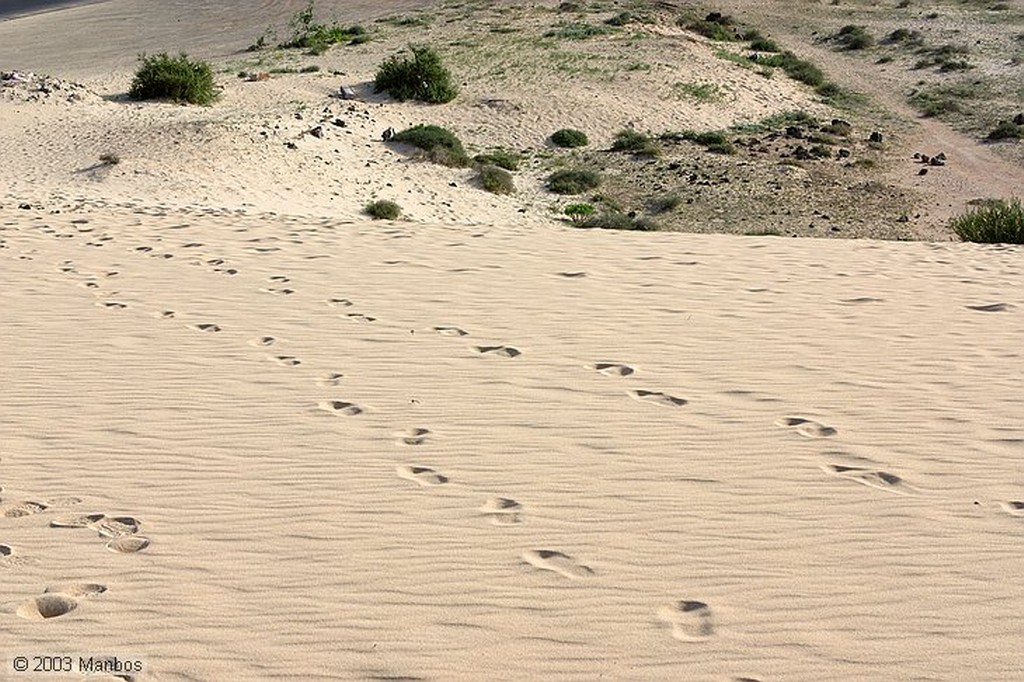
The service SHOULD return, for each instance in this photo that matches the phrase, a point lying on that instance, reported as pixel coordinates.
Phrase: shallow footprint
(807, 428)
(205, 327)
(504, 351)
(340, 407)
(563, 564)
(612, 369)
(47, 606)
(128, 545)
(263, 341)
(572, 275)
(24, 509)
(992, 307)
(86, 521)
(691, 621)
(425, 476)
(287, 360)
(77, 589)
(116, 526)
(114, 305)
(1013, 507)
(359, 317)
(332, 379)
(503, 511)
(875, 479)
(339, 303)
(414, 436)
(657, 398)
(451, 331)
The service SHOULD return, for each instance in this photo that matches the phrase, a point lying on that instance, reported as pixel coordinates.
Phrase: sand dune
(246, 434)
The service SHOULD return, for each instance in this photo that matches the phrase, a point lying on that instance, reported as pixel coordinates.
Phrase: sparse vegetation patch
(439, 144)
(630, 140)
(573, 180)
(496, 180)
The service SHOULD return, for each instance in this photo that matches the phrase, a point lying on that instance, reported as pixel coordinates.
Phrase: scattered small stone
(844, 153)
(452, 184)
(291, 145)
(875, 137)
(925, 158)
(387, 134)
(317, 132)
(941, 156)
(338, 122)
(923, 171)
(25, 207)
(1019, 119)
(936, 161)
(903, 219)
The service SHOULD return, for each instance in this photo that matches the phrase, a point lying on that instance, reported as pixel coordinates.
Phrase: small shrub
(620, 19)
(312, 68)
(715, 26)
(578, 213)
(700, 92)
(578, 31)
(666, 203)
(421, 77)
(383, 210)
(110, 159)
(796, 68)
(176, 78)
(713, 141)
(573, 181)
(439, 144)
(997, 222)
(569, 137)
(853, 37)
(760, 43)
(903, 36)
(629, 140)
(316, 37)
(499, 158)
(1006, 130)
(497, 180)
(615, 220)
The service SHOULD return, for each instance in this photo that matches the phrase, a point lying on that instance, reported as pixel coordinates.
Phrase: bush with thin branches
(162, 76)
(991, 223)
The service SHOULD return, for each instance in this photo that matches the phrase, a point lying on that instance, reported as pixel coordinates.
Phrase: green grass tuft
(569, 137)
(996, 222)
(178, 78)
(629, 140)
(497, 180)
(383, 210)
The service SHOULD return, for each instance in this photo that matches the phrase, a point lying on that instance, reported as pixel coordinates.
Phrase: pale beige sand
(254, 447)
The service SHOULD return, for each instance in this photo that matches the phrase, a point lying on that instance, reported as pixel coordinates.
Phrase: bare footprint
(691, 621)
(47, 606)
(86, 521)
(612, 369)
(807, 428)
(27, 508)
(128, 545)
(1013, 507)
(425, 476)
(874, 479)
(860, 300)
(563, 564)
(503, 511)
(287, 360)
(339, 303)
(206, 327)
(657, 398)
(359, 317)
(340, 407)
(451, 331)
(332, 379)
(263, 341)
(503, 351)
(992, 307)
(116, 526)
(415, 436)
(77, 590)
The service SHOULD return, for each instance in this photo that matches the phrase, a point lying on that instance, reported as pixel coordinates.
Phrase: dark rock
(941, 156)
(387, 134)
(25, 207)
(795, 132)
(317, 132)
(936, 161)
(917, 155)
(338, 122)
(291, 145)
(1019, 119)
(903, 219)
(925, 158)
(840, 123)
(923, 171)
(802, 154)
(875, 137)
(844, 153)
(452, 184)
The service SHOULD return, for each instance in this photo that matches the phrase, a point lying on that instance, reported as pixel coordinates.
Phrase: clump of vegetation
(578, 31)
(496, 180)
(945, 99)
(110, 159)
(177, 78)
(500, 158)
(995, 222)
(579, 212)
(309, 34)
(573, 180)
(714, 141)
(439, 144)
(666, 203)
(629, 140)
(796, 68)
(1006, 130)
(700, 92)
(616, 220)
(620, 19)
(946, 57)
(904, 36)
(569, 137)
(421, 77)
(715, 26)
(776, 121)
(853, 37)
(383, 210)
(760, 43)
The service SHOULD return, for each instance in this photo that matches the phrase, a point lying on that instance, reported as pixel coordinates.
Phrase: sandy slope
(475, 445)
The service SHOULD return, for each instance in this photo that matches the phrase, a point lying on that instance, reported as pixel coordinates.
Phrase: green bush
(383, 210)
(796, 68)
(715, 26)
(666, 203)
(995, 222)
(1006, 130)
(760, 43)
(853, 37)
(421, 77)
(579, 212)
(178, 78)
(569, 137)
(713, 141)
(573, 180)
(497, 180)
(577, 31)
(629, 140)
(439, 144)
(500, 158)
(314, 36)
(614, 220)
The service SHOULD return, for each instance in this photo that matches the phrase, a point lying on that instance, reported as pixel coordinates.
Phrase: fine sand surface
(246, 434)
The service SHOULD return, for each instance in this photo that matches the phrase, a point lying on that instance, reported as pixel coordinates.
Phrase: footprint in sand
(612, 369)
(414, 436)
(451, 331)
(84, 521)
(807, 428)
(280, 279)
(206, 327)
(339, 303)
(340, 407)
(875, 479)
(331, 379)
(128, 545)
(286, 360)
(47, 606)
(657, 398)
(359, 317)
(563, 564)
(164, 315)
(503, 351)
(77, 590)
(1013, 507)
(992, 307)
(503, 511)
(425, 476)
(27, 508)
(279, 292)
(263, 341)
(116, 526)
(691, 621)
(113, 305)
(860, 300)
(572, 275)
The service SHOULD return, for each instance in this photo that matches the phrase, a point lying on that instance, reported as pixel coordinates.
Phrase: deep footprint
(563, 564)
(1014, 507)
(451, 331)
(24, 509)
(503, 351)
(691, 621)
(287, 360)
(657, 398)
(340, 407)
(612, 369)
(414, 437)
(992, 307)
(503, 511)
(874, 479)
(425, 476)
(128, 545)
(205, 327)
(47, 606)
(806, 427)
